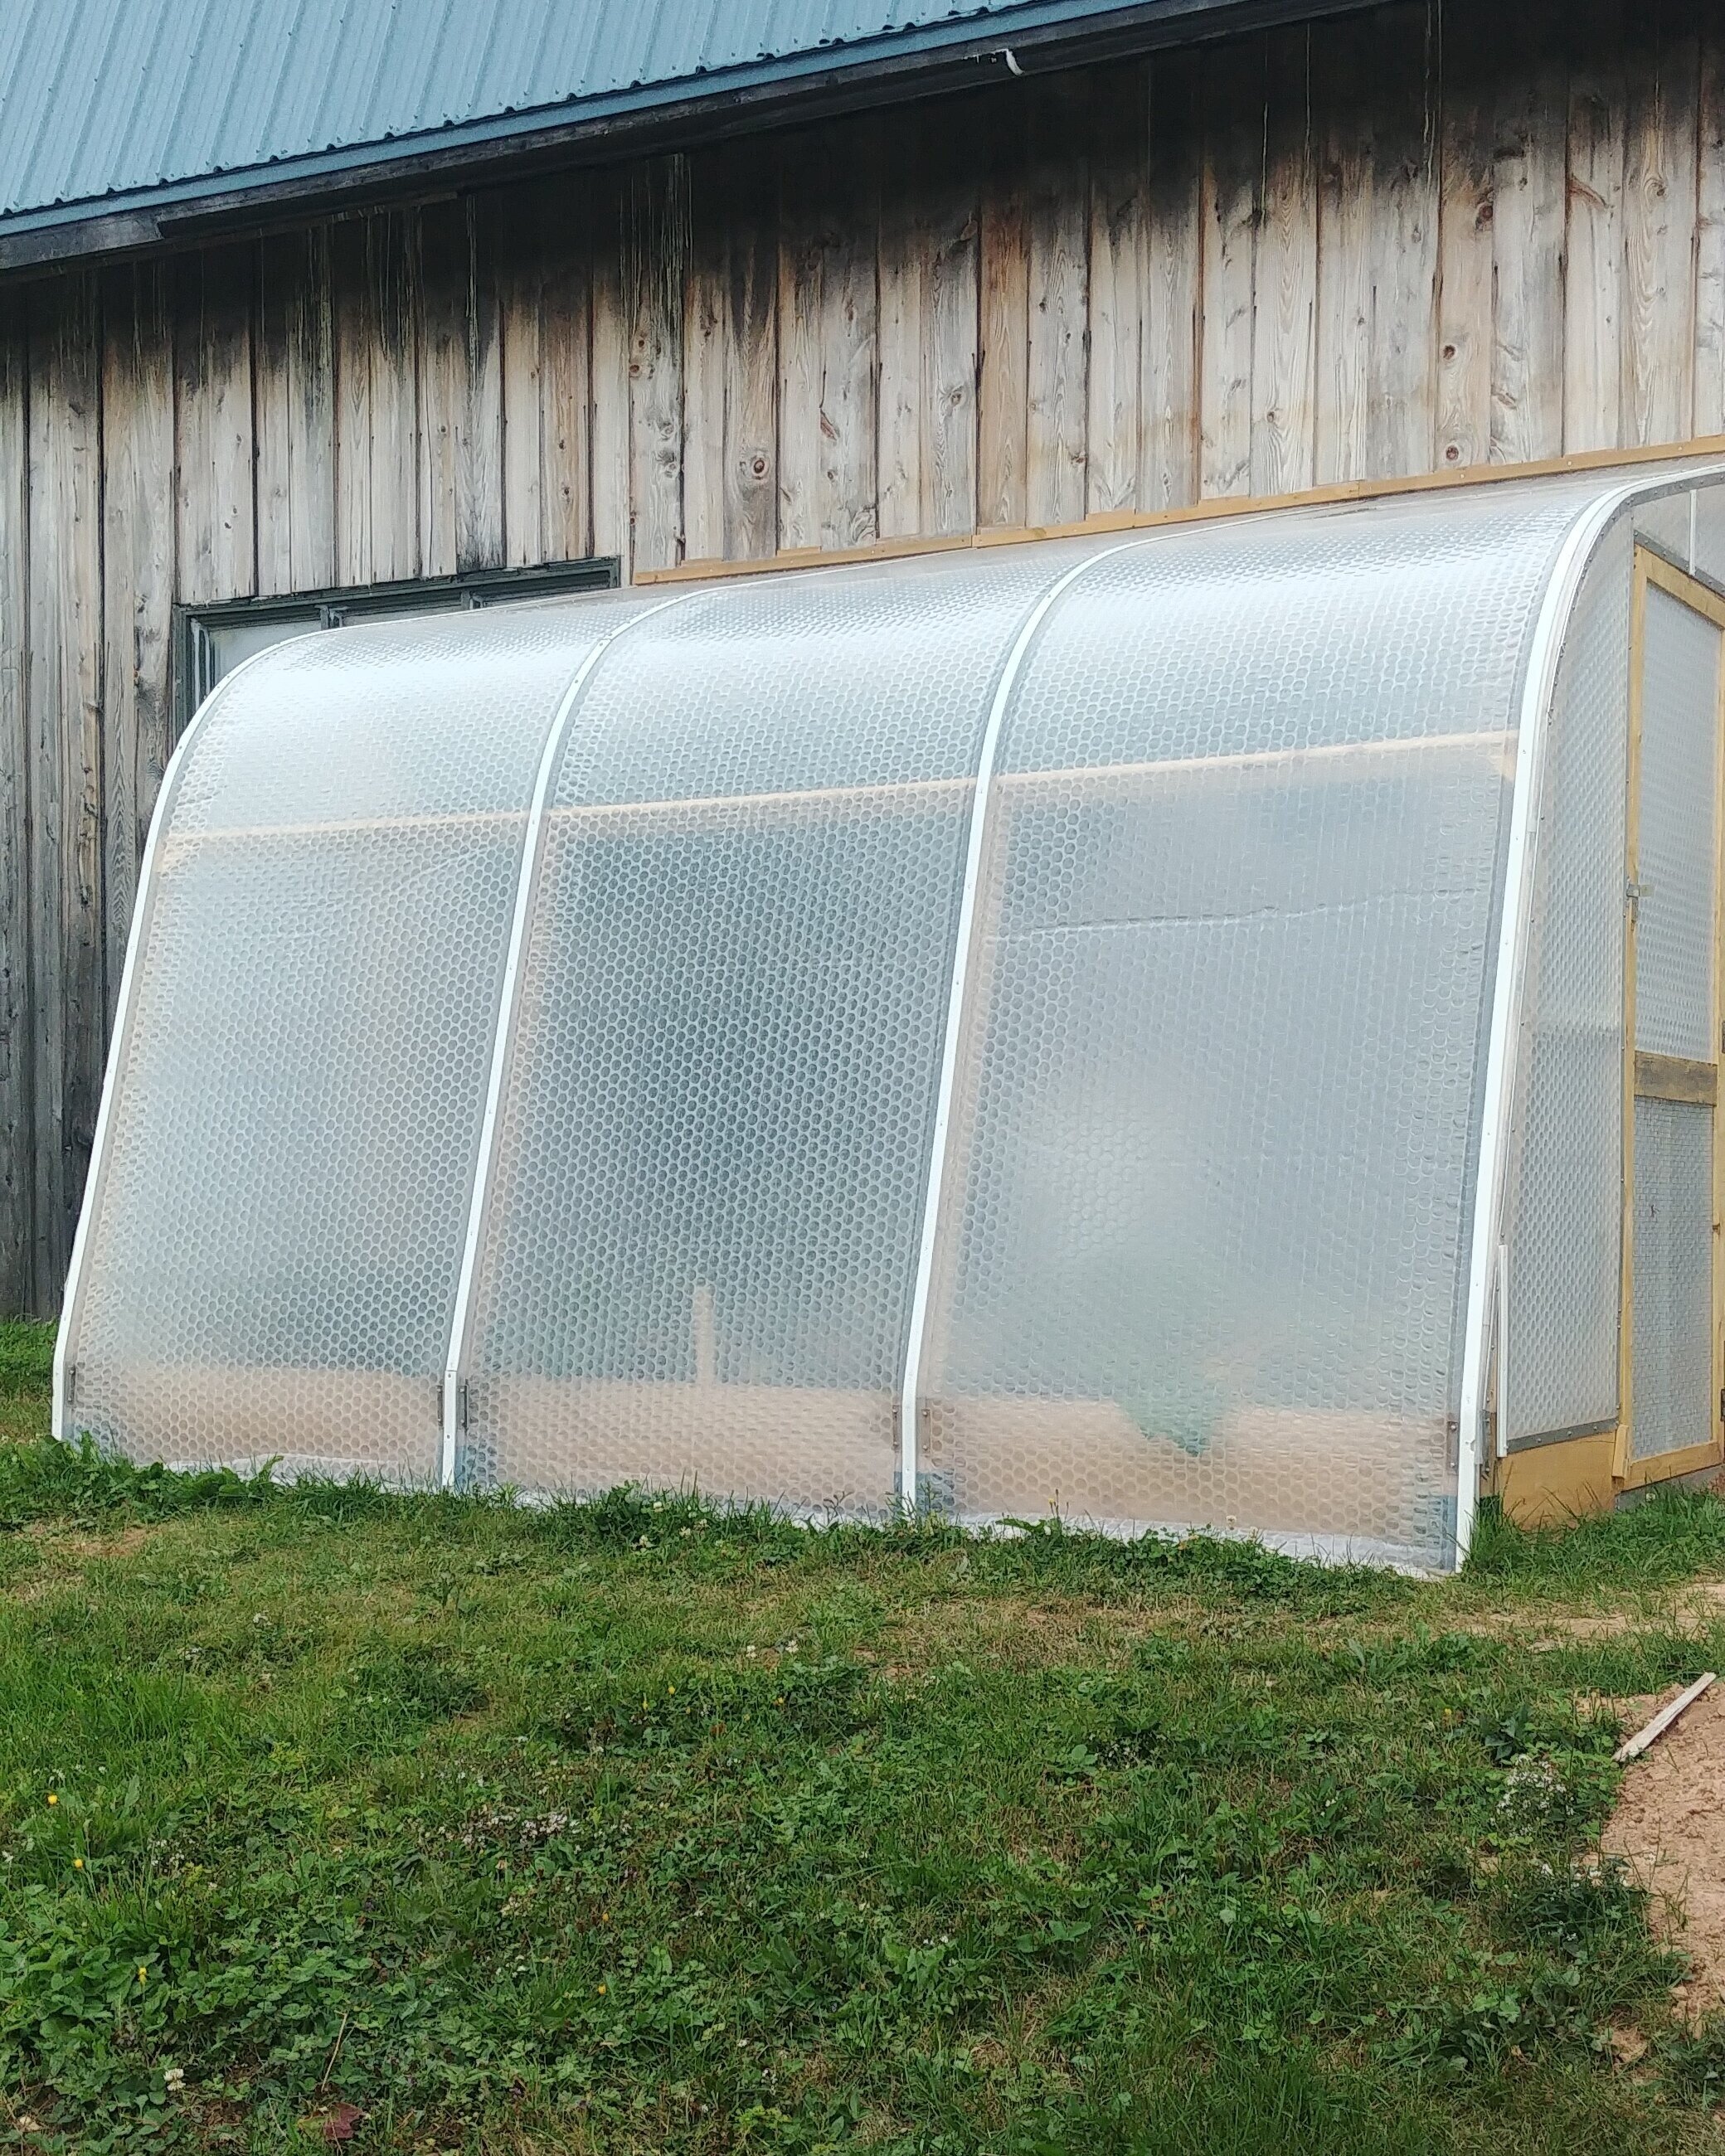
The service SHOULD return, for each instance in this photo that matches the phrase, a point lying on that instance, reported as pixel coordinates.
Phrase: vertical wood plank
(1463, 434)
(613, 518)
(1593, 247)
(1344, 113)
(445, 276)
(1284, 311)
(216, 505)
(521, 224)
(16, 1029)
(64, 753)
(707, 308)
(1055, 478)
(928, 333)
(354, 333)
(1003, 386)
(802, 243)
(565, 356)
(655, 266)
(851, 346)
(730, 357)
(479, 470)
(1400, 363)
(138, 556)
(1169, 475)
(1118, 178)
(376, 310)
(1233, 111)
(951, 316)
(393, 268)
(295, 414)
(905, 241)
(1528, 190)
(460, 396)
(1659, 225)
(749, 324)
(1710, 240)
(828, 339)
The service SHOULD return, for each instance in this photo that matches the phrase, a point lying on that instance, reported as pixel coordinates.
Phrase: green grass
(636, 1827)
(25, 1375)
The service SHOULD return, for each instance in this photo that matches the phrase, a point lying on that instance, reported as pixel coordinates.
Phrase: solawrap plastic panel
(1677, 920)
(1672, 1312)
(1558, 1370)
(1676, 933)
(275, 1241)
(1220, 1098)
(1158, 1190)
(697, 1262)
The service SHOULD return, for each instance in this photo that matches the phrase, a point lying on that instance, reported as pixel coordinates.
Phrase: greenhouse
(1211, 1025)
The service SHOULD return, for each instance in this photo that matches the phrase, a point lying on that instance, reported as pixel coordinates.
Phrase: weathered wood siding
(1420, 239)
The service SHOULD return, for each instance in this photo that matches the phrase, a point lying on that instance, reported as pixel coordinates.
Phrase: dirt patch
(64, 1556)
(1669, 1827)
(1698, 1606)
(84, 1547)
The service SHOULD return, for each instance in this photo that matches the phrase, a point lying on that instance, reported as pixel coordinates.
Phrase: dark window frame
(335, 605)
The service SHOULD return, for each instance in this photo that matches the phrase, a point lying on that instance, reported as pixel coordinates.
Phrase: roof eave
(939, 60)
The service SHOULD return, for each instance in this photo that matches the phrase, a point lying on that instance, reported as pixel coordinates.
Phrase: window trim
(335, 605)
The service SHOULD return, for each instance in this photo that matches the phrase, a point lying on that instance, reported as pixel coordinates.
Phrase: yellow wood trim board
(1631, 855)
(1702, 597)
(1676, 1078)
(1663, 1466)
(1197, 512)
(1549, 1485)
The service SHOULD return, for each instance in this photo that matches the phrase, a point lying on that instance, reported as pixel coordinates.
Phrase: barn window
(211, 641)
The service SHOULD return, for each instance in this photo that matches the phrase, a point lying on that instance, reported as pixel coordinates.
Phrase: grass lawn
(633, 1827)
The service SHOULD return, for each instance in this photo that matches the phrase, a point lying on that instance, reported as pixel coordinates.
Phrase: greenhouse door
(1671, 1327)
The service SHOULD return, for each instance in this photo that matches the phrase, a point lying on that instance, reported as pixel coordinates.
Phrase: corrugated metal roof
(110, 104)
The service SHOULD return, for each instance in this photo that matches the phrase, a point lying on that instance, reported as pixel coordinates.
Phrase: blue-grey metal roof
(114, 105)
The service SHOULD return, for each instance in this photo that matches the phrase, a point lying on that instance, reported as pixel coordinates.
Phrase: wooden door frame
(1668, 1077)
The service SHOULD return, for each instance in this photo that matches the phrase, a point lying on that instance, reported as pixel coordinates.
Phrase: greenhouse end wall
(619, 1040)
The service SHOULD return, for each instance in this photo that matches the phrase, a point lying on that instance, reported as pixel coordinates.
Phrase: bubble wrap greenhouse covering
(1026, 1027)
(697, 1259)
(274, 1242)
(1220, 1090)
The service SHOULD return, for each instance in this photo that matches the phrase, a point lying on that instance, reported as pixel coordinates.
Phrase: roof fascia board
(938, 59)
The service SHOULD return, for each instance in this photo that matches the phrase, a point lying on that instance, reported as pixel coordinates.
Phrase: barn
(338, 324)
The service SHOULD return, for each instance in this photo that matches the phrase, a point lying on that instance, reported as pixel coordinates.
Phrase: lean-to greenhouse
(1211, 1025)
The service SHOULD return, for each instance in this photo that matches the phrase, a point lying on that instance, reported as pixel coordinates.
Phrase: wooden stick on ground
(1633, 1746)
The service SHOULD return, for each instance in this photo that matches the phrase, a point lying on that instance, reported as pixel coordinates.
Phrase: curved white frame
(143, 905)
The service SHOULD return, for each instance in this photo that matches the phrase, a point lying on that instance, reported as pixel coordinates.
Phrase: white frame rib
(1498, 1106)
(963, 939)
(508, 1001)
(143, 907)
